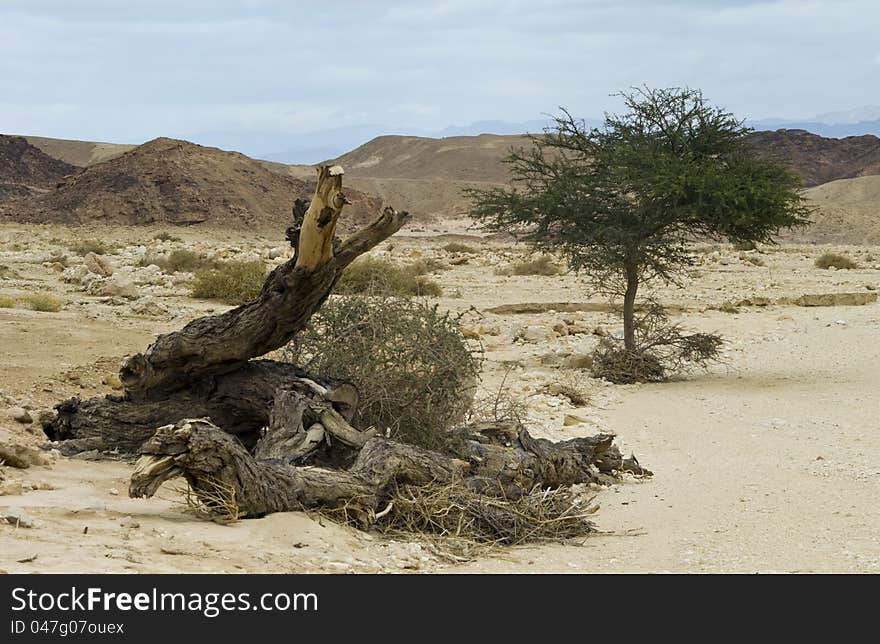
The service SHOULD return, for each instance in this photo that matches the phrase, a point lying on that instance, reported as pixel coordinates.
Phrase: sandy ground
(767, 462)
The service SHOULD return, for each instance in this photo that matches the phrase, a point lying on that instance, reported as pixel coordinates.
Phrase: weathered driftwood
(495, 459)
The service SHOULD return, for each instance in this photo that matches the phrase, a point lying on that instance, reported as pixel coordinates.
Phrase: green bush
(377, 276)
(415, 371)
(7, 302)
(180, 261)
(230, 282)
(833, 260)
(42, 302)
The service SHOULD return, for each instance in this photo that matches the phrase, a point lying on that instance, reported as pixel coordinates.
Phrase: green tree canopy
(623, 201)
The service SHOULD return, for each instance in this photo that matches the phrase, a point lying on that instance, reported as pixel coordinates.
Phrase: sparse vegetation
(623, 202)
(378, 276)
(457, 247)
(541, 265)
(180, 261)
(415, 371)
(661, 350)
(85, 246)
(42, 302)
(728, 307)
(166, 236)
(833, 260)
(230, 282)
(7, 302)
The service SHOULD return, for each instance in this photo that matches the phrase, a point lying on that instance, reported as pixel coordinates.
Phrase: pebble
(20, 415)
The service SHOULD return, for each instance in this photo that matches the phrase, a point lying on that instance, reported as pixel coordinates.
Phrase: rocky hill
(818, 159)
(848, 212)
(25, 170)
(80, 153)
(167, 181)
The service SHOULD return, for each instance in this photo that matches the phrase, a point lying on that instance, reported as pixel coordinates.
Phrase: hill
(818, 159)
(79, 153)
(167, 181)
(25, 170)
(849, 212)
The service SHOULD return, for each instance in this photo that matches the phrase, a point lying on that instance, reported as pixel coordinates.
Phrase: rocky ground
(768, 461)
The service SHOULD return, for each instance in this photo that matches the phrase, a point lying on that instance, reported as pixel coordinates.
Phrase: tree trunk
(629, 307)
(497, 459)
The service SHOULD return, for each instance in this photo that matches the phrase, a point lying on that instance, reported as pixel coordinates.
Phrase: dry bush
(457, 247)
(833, 260)
(7, 302)
(568, 387)
(85, 246)
(211, 499)
(541, 265)
(415, 371)
(42, 302)
(166, 236)
(498, 405)
(382, 277)
(461, 516)
(230, 282)
(179, 261)
(662, 349)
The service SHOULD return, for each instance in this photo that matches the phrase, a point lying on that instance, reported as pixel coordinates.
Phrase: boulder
(98, 264)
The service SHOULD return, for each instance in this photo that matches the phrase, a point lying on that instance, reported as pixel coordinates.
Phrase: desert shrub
(568, 387)
(662, 349)
(166, 236)
(541, 265)
(833, 260)
(457, 247)
(85, 246)
(180, 261)
(728, 307)
(377, 276)
(42, 302)
(230, 282)
(426, 265)
(415, 371)
(6, 302)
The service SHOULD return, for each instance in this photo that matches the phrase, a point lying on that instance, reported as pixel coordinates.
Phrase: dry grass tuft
(85, 246)
(833, 260)
(457, 247)
(230, 282)
(542, 265)
(42, 302)
(212, 499)
(382, 277)
(7, 302)
(180, 261)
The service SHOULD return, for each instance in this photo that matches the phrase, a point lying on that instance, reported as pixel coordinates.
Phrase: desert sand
(766, 462)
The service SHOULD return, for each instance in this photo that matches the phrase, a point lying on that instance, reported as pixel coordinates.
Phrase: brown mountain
(25, 170)
(80, 153)
(818, 159)
(167, 181)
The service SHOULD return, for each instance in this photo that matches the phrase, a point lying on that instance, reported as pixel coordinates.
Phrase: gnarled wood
(292, 293)
(499, 459)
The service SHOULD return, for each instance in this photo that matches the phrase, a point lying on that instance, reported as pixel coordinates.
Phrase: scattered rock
(17, 517)
(836, 299)
(98, 264)
(534, 333)
(112, 380)
(113, 491)
(578, 361)
(129, 522)
(114, 288)
(21, 456)
(11, 488)
(20, 415)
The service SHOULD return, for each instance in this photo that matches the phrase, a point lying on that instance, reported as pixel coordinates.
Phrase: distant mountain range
(313, 147)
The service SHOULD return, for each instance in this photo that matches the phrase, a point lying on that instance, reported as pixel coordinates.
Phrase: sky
(131, 70)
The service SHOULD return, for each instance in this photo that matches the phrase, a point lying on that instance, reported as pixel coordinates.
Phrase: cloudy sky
(129, 70)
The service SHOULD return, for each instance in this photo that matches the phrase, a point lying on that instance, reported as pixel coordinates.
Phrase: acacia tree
(622, 202)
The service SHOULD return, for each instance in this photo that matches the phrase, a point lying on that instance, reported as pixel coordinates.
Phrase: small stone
(21, 415)
(98, 265)
(11, 488)
(18, 518)
(129, 522)
(112, 381)
(113, 491)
